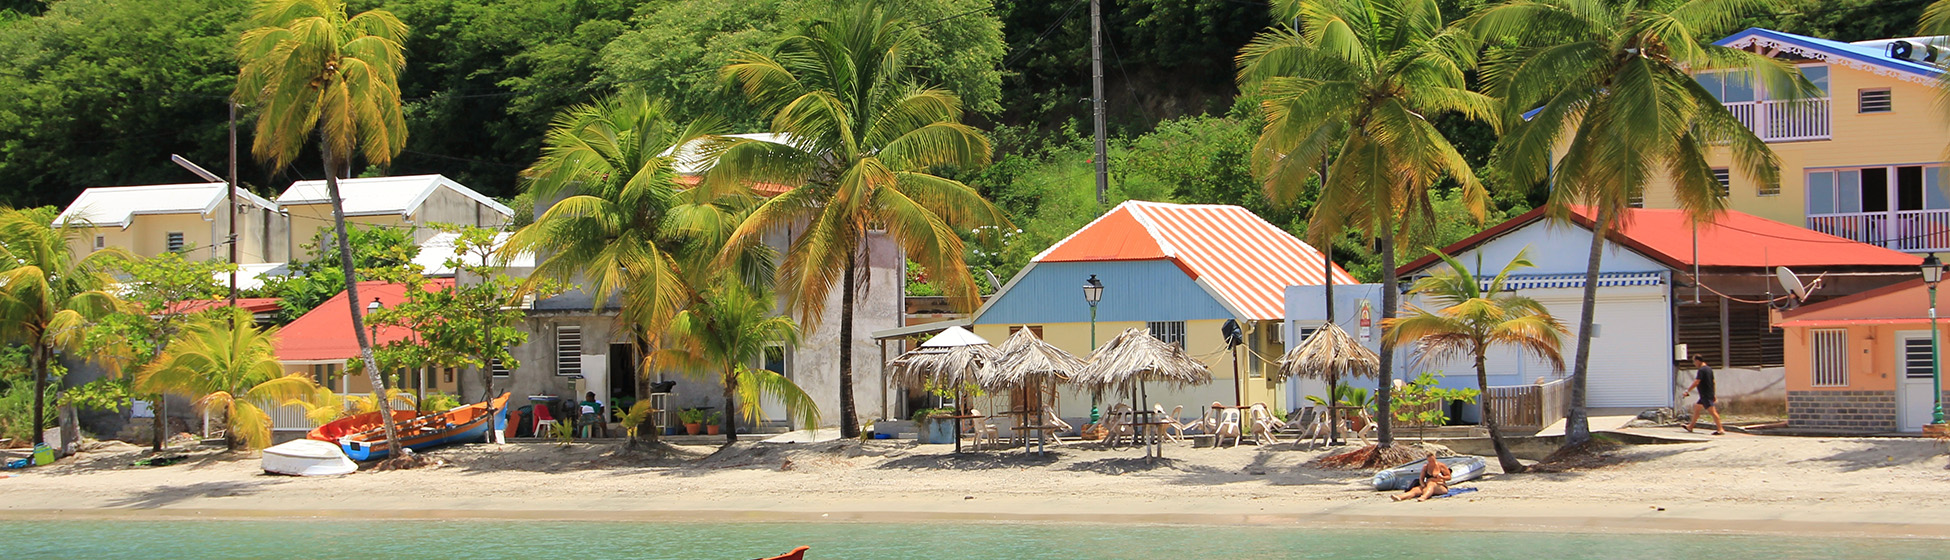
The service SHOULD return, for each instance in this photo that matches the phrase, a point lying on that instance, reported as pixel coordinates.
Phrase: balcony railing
(1785, 121)
(1902, 230)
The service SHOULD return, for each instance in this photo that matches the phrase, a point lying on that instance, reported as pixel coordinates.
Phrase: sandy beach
(1735, 483)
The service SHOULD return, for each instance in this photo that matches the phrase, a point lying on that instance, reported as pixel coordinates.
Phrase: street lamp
(1093, 292)
(1933, 273)
(372, 329)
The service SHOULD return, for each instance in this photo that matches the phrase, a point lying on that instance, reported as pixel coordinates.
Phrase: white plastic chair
(1228, 426)
(1051, 435)
(1263, 425)
(1171, 421)
(980, 429)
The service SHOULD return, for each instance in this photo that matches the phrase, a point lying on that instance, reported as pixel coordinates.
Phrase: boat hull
(1462, 468)
(468, 423)
(306, 457)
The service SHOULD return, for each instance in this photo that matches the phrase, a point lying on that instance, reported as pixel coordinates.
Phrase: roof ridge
(1151, 228)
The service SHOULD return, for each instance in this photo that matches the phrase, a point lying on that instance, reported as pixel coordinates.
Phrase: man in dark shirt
(1707, 399)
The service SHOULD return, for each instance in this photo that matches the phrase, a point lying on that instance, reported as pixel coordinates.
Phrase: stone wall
(1843, 411)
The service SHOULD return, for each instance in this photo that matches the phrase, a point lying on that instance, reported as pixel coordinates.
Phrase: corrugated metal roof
(1244, 261)
(325, 333)
(113, 206)
(367, 196)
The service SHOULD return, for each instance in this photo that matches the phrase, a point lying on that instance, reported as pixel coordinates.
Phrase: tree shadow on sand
(166, 495)
(1123, 465)
(1885, 453)
(972, 461)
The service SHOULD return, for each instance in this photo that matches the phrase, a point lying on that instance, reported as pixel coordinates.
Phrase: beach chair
(1308, 425)
(1228, 426)
(1263, 425)
(543, 421)
(980, 429)
(1171, 421)
(1051, 419)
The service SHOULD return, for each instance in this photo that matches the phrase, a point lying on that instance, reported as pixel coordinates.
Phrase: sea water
(559, 540)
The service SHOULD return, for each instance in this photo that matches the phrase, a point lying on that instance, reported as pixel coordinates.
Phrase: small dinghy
(363, 438)
(306, 457)
(1463, 468)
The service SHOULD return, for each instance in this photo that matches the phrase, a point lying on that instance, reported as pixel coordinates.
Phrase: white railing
(1902, 230)
(1785, 121)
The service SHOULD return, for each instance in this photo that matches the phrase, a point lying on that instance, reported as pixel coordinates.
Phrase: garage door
(1631, 363)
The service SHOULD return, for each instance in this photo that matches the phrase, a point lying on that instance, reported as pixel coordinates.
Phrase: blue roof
(1860, 53)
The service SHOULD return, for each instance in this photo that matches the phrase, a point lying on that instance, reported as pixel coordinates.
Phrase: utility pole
(232, 192)
(1097, 98)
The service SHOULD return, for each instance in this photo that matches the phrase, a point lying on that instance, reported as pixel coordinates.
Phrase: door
(774, 360)
(1914, 406)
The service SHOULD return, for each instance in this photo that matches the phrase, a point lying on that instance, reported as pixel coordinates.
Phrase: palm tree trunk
(346, 266)
(41, 356)
(1577, 427)
(849, 425)
(1384, 429)
(1503, 456)
(730, 388)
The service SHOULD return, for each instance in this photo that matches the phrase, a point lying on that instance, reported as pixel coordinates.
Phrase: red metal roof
(1732, 240)
(253, 305)
(1245, 261)
(325, 333)
(767, 190)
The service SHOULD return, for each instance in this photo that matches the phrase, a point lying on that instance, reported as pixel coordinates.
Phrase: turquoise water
(531, 540)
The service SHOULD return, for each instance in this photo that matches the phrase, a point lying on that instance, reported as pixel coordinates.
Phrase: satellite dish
(1792, 283)
(994, 283)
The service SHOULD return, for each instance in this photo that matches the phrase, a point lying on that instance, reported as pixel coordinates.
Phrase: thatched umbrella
(1330, 354)
(1135, 358)
(1029, 364)
(953, 359)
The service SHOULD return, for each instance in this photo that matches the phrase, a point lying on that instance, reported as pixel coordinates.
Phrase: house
(1665, 283)
(149, 220)
(1864, 161)
(319, 342)
(1861, 364)
(1181, 270)
(410, 201)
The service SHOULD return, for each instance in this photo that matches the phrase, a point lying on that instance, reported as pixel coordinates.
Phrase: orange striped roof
(1243, 260)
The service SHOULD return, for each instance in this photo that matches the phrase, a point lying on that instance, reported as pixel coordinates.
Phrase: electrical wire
(1045, 35)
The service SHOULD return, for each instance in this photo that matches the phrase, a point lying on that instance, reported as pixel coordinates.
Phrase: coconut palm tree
(308, 68)
(860, 136)
(629, 226)
(1351, 90)
(1607, 84)
(47, 295)
(723, 335)
(227, 364)
(1468, 318)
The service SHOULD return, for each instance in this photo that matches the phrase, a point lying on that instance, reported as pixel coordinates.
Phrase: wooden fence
(1530, 406)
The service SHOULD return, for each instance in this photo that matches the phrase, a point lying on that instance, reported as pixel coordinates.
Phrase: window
(1876, 189)
(100, 242)
(1722, 176)
(324, 375)
(447, 375)
(1916, 358)
(174, 242)
(1636, 200)
(1828, 357)
(1033, 329)
(775, 360)
(1873, 101)
(1768, 189)
(1170, 332)
(498, 368)
(568, 350)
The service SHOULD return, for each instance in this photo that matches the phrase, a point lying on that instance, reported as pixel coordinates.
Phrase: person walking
(1708, 401)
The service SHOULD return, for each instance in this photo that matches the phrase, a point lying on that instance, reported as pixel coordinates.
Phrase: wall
(1912, 133)
(1871, 400)
(1133, 291)
(815, 362)
(446, 206)
(309, 220)
(1203, 341)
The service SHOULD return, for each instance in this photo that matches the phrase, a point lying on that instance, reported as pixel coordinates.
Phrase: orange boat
(796, 554)
(363, 437)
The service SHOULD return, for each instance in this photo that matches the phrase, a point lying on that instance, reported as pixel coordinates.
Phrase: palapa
(952, 359)
(1025, 359)
(1134, 357)
(1330, 354)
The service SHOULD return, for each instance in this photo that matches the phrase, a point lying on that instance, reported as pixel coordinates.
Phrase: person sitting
(592, 415)
(1433, 482)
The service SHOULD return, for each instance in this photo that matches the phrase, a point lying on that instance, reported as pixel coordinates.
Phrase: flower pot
(693, 429)
(711, 429)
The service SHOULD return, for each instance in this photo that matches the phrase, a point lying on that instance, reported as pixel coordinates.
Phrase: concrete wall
(446, 206)
(1734, 385)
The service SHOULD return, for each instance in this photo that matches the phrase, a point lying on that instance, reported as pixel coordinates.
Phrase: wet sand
(1735, 483)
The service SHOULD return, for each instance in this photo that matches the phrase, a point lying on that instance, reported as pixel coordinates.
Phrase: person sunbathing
(1434, 482)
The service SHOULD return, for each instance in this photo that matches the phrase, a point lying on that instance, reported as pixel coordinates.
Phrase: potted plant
(692, 419)
(937, 425)
(711, 422)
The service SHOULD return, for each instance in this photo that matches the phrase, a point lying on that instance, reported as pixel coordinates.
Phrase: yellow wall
(1914, 132)
(1202, 340)
(308, 220)
(148, 235)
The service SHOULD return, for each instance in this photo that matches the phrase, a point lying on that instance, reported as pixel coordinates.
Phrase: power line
(1046, 33)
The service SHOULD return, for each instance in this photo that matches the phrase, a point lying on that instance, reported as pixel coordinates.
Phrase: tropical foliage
(472, 323)
(48, 295)
(228, 366)
(157, 290)
(724, 335)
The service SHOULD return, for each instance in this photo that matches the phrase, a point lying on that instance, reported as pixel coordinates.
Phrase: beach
(1736, 483)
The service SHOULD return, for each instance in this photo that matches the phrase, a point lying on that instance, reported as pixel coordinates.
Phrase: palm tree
(1351, 91)
(227, 364)
(628, 226)
(861, 137)
(1607, 83)
(725, 333)
(47, 296)
(1469, 318)
(307, 67)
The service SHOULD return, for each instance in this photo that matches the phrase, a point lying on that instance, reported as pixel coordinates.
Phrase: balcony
(1785, 121)
(1914, 231)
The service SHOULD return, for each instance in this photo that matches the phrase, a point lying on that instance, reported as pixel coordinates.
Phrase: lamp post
(1093, 292)
(1932, 273)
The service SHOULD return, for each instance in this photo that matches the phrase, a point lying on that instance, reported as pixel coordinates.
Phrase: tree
(1351, 91)
(864, 137)
(48, 297)
(470, 324)
(227, 364)
(626, 226)
(160, 291)
(322, 274)
(723, 335)
(1468, 318)
(306, 67)
(1607, 84)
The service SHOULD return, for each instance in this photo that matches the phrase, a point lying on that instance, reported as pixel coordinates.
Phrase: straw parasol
(1029, 364)
(952, 359)
(1135, 358)
(1330, 354)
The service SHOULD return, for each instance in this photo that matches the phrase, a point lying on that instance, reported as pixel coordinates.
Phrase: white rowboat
(306, 457)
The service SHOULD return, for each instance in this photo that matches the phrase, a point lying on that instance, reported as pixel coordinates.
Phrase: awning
(1606, 280)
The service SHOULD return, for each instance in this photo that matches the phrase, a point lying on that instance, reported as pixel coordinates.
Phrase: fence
(1530, 406)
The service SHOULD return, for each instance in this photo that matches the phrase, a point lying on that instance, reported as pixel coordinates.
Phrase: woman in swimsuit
(1434, 482)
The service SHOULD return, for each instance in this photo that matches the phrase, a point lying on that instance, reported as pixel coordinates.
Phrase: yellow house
(1181, 271)
(410, 201)
(150, 220)
(1864, 161)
